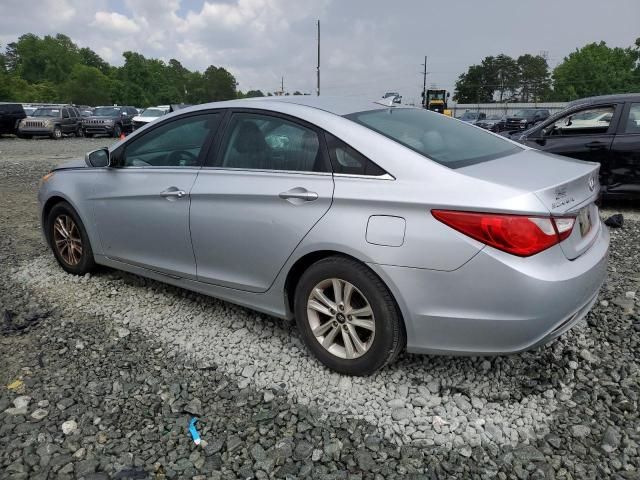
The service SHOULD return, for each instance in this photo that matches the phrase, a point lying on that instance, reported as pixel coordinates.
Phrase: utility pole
(424, 83)
(282, 86)
(318, 67)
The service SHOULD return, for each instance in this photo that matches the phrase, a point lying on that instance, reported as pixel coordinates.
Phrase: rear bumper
(497, 303)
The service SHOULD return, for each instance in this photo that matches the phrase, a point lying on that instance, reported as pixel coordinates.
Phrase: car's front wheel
(69, 240)
(57, 133)
(117, 131)
(347, 316)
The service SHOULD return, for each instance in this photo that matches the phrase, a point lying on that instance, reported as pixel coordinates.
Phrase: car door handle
(299, 193)
(595, 145)
(172, 192)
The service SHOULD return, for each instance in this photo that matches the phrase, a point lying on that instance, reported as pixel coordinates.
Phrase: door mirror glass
(98, 158)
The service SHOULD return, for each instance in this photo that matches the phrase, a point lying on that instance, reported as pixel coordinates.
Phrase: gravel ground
(100, 375)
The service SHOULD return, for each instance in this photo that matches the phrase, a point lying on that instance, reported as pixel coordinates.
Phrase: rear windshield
(447, 141)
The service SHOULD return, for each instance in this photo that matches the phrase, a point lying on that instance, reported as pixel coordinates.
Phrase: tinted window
(438, 137)
(65, 113)
(589, 121)
(264, 142)
(345, 159)
(633, 121)
(174, 144)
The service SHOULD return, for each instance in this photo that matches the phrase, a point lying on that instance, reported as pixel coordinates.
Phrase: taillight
(516, 234)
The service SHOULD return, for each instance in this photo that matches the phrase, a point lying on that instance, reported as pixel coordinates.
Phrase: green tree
(474, 86)
(87, 86)
(596, 69)
(218, 84)
(253, 93)
(534, 78)
(91, 59)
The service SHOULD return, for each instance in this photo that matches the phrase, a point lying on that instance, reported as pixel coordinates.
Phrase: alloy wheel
(341, 318)
(67, 239)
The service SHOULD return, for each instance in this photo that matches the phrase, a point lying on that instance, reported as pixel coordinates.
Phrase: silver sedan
(377, 227)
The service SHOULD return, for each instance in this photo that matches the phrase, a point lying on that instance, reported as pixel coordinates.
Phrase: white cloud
(368, 47)
(112, 21)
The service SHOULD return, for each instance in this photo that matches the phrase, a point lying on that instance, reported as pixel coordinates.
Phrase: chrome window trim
(386, 176)
(262, 170)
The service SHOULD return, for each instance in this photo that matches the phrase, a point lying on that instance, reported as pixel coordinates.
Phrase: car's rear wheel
(347, 316)
(57, 133)
(69, 240)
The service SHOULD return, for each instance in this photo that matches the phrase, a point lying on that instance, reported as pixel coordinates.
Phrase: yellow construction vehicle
(436, 101)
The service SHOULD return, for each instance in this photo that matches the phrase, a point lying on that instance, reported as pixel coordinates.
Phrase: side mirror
(98, 158)
(123, 114)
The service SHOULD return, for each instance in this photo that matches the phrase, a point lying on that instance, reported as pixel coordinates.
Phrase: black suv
(111, 121)
(603, 129)
(525, 118)
(51, 121)
(10, 116)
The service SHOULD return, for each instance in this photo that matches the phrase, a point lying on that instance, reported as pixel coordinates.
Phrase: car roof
(336, 105)
(616, 98)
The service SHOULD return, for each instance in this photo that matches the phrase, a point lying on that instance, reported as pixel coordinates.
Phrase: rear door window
(633, 120)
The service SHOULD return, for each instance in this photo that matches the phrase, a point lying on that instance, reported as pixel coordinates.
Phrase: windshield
(153, 112)
(106, 112)
(46, 112)
(469, 116)
(436, 95)
(450, 143)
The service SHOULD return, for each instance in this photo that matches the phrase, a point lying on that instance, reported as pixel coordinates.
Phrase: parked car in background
(525, 118)
(316, 208)
(10, 116)
(493, 122)
(53, 121)
(472, 117)
(149, 115)
(109, 120)
(604, 129)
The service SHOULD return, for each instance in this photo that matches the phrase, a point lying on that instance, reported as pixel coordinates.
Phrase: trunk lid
(566, 187)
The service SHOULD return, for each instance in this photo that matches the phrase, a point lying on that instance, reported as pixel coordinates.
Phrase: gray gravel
(113, 366)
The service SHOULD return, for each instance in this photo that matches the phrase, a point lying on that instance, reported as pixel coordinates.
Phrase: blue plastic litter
(193, 431)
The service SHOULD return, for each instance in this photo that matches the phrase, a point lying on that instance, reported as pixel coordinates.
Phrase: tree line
(595, 69)
(53, 69)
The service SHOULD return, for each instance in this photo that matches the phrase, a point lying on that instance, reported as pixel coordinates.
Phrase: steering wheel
(182, 158)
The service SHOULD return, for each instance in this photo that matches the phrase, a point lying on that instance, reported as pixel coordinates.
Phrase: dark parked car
(603, 129)
(525, 118)
(472, 117)
(112, 121)
(495, 123)
(10, 116)
(52, 121)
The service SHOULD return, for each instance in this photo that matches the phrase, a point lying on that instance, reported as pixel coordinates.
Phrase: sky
(368, 47)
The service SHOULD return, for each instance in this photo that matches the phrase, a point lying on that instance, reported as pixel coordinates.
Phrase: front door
(142, 205)
(267, 187)
(585, 134)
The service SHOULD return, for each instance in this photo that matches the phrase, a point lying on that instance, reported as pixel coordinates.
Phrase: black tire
(88, 135)
(389, 339)
(86, 261)
(117, 130)
(79, 133)
(57, 133)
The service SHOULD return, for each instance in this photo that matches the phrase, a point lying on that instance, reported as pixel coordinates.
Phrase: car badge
(592, 183)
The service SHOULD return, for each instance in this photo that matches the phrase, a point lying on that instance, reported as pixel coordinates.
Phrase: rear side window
(442, 139)
(346, 160)
(633, 121)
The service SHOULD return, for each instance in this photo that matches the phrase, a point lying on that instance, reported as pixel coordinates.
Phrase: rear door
(625, 154)
(266, 187)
